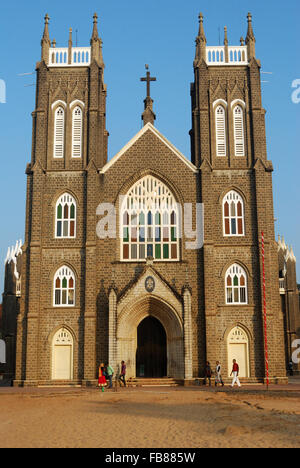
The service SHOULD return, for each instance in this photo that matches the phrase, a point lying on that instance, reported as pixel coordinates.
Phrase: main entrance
(151, 355)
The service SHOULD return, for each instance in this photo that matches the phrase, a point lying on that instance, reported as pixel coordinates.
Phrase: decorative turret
(96, 44)
(200, 43)
(226, 45)
(46, 43)
(250, 38)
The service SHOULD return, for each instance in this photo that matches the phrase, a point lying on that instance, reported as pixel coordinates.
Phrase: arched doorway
(62, 355)
(238, 349)
(126, 343)
(151, 354)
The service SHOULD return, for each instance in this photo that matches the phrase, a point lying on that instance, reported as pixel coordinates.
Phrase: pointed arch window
(149, 222)
(65, 217)
(239, 137)
(59, 132)
(220, 118)
(77, 132)
(64, 288)
(236, 285)
(233, 214)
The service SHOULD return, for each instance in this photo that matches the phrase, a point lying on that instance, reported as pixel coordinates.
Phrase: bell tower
(69, 148)
(228, 145)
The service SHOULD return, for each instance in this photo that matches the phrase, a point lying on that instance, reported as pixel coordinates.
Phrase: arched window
(149, 222)
(233, 215)
(236, 285)
(64, 288)
(238, 124)
(77, 133)
(220, 131)
(65, 217)
(59, 133)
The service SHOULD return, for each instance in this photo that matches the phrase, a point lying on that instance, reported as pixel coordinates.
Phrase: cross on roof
(148, 79)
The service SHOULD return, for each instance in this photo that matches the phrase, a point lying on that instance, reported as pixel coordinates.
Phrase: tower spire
(70, 45)
(250, 38)
(148, 114)
(46, 43)
(96, 43)
(200, 42)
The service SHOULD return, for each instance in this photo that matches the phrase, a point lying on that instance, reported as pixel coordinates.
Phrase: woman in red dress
(101, 380)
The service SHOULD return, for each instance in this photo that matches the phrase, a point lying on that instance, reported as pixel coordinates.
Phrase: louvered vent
(59, 133)
(77, 133)
(220, 131)
(239, 132)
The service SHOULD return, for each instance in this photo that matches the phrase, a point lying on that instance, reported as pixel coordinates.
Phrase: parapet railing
(222, 55)
(62, 57)
(282, 285)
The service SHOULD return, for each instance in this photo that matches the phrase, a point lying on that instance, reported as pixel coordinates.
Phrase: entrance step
(154, 382)
(59, 383)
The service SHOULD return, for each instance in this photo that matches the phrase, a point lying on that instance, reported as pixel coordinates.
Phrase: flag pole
(265, 309)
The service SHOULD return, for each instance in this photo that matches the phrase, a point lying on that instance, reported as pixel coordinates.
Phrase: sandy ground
(160, 417)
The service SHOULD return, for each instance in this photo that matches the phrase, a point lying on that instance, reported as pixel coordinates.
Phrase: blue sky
(162, 34)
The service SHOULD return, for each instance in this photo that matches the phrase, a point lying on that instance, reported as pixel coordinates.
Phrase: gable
(149, 128)
(137, 291)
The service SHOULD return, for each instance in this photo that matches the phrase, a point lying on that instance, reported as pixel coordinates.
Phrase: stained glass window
(233, 214)
(64, 288)
(236, 285)
(150, 222)
(66, 217)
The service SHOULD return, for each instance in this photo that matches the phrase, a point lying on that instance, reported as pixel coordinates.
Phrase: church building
(113, 264)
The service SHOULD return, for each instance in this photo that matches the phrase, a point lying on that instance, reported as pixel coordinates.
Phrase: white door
(238, 349)
(2, 352)
(62, 363)
(62, 355)
(239, 353)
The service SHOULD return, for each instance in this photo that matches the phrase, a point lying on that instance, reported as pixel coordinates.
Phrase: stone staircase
(154, 382)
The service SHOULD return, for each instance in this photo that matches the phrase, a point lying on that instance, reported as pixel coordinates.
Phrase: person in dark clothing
(208, 373)
(123, 373)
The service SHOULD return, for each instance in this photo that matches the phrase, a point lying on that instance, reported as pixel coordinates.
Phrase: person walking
(109, 373)
(218, 379)
(123, 373)
(235, 372)
(208, 373)
(101, 377)
(291, 368)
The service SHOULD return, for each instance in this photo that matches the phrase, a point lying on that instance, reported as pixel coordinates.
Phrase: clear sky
(161, 34)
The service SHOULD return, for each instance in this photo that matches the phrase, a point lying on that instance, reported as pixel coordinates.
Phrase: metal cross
(148, 78)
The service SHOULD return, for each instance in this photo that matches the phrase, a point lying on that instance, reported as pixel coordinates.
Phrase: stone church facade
(146, 295)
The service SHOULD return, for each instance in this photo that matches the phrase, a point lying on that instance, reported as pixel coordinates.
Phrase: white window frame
(239, 131)
(150, 195)
(59, 133)
(64, 273)
(65, 199)
(236, 270)
(220, 126)
(233, 197)
(77, 132)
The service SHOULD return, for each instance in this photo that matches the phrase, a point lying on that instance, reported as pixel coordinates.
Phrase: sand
(160, 417)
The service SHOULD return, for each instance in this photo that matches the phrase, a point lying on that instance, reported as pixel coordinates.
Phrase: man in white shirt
(218, 378)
